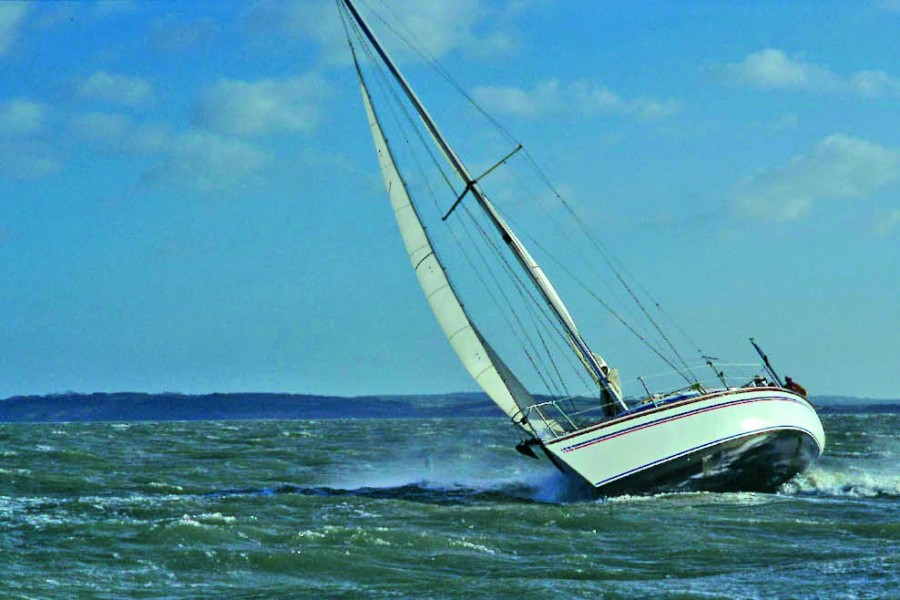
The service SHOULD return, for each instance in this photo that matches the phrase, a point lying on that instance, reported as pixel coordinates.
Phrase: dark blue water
(428, 508)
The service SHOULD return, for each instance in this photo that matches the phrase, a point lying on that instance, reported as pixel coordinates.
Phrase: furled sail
(479, 359)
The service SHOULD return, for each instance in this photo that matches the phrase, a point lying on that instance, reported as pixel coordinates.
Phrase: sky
(190, 201)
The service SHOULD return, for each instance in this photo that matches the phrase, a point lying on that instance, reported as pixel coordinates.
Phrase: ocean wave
(556, 488)
(463, 543)
(206, 519)
(533, 488)
(414, 492)
(729, 498)
(851, 482)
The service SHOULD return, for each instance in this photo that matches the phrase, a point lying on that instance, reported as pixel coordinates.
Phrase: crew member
(790, 384)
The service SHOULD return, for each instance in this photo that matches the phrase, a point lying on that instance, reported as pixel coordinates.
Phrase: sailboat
(749, 437)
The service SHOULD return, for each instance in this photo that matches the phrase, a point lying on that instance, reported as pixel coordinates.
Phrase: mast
(768, 365)
(480, 360)
(526, 261)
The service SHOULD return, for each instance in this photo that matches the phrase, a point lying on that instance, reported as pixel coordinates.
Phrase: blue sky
(189, 199)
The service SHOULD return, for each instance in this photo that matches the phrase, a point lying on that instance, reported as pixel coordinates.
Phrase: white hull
(750, 439)
(747, 438)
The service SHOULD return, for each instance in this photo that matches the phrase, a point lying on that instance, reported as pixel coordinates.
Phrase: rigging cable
(601, 248)
(607, 256)
(621, 320)
(384, 82)
(604, 252)
(525, 294)
(507, 302)
(549, 323)
(587, 259)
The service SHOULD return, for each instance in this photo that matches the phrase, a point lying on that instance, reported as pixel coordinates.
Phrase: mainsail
(612, 399)
(479, 359)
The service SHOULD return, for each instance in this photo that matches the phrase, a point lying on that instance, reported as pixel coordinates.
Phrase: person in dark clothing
(790, 384)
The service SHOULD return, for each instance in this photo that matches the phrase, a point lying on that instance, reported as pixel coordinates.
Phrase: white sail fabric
(479, 359)
(519, 248)
(591, 360)
(528, 263)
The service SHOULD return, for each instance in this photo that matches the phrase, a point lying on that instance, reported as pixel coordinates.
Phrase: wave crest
(850, 482)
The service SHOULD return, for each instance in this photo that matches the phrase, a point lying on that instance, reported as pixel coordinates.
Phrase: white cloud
(317, 20)
(206, 162)
(887, 222)
(118, 133)
(770, 68)
(773, 69)
(102, 126)
(22, 117)
(197, 160)
(262, 107)
(27, 159)
(119, 89)
(875, 83)
(838, 168)
(12, 15)
(550, 97)
(23, 152)
(516, 101)
(440, 27)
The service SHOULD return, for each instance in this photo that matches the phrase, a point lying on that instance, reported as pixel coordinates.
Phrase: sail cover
(479, 359)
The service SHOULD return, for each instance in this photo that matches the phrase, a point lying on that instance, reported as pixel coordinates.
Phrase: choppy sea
(419, 508)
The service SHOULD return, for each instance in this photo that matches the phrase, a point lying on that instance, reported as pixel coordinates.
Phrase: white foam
(216, 517)
(165, 486)
(310, 534)
(206, 519)
(188, 520)
(845, 482)
(462, 543)
(459, 473)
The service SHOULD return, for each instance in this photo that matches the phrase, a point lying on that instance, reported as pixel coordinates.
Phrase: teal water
(425, 508)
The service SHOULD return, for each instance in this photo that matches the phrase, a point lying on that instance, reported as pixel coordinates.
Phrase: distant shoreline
(136, 406)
